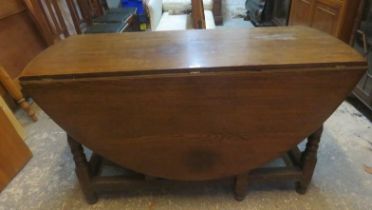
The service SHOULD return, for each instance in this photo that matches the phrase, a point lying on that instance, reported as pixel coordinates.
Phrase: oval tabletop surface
(200, 119)
(258, 48)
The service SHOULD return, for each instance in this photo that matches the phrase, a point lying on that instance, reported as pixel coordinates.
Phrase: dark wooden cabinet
(335, 17)
(301, 12)
(326, 16)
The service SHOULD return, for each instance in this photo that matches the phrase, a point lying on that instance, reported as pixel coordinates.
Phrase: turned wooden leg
(95, 163)
(308, 161)
(83, 171)
(240, 186)
(16, 93)
(27, 108)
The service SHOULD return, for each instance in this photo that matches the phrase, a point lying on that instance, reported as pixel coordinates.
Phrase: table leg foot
(308, 161)
(240, 187)
(83, 171)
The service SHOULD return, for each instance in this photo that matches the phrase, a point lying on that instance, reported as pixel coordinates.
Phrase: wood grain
(11, 7)
(13, 120)
(197, 13)
(194, 50)
(20, 42)
(14, 153)
(301, 12)
(194, 127)
(52, 18)
(332, 16)
(180, 106)
(16, 93)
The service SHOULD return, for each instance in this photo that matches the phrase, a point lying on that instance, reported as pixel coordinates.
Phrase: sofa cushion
(154, 10)
(178, 6)
(208, 4)
(173, 22)
(209, 19)
(182, 22)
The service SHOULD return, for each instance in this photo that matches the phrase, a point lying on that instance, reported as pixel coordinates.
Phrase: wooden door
(14, 153)
(326, 16)
(301, 12)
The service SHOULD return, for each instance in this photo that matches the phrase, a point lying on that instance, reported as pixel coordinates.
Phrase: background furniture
(50, 18)
(170, 15)
(20, 39)
(87, 20)
(217, 12)
(259, 11)
(335, 17)
(190, 112)
(58, 19)
(281, 10)
(98, 13)
(14, 153)
(180, 5)
(16, 93)
(362, 41)
(20, 42)
(113, 3)
(197, 13)
(268, 12)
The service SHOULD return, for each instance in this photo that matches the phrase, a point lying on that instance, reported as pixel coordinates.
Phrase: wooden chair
(57, 22)
(14, 153)
(16, 93)
(50, 19)
(198, 14)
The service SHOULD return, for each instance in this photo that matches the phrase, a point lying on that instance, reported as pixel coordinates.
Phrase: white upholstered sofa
(166, 15)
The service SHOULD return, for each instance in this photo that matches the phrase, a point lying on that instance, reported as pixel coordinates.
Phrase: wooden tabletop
(191, 50)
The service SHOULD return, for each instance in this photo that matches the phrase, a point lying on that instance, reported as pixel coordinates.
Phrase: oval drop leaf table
(193, 105)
